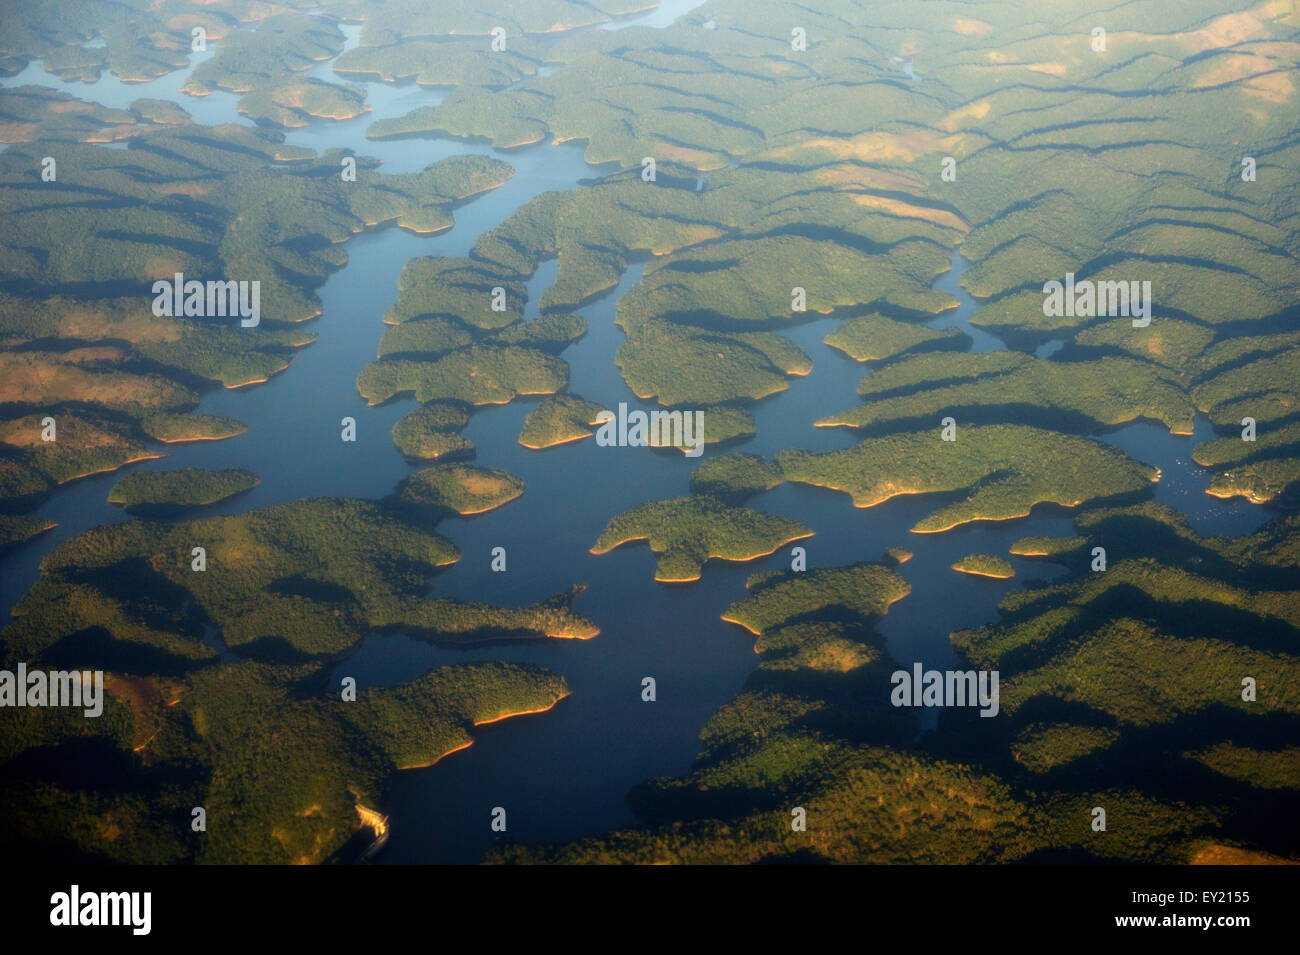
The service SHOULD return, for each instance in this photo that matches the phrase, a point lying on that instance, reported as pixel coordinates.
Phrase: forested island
(163, 492)
(689, 531)
(985, 565)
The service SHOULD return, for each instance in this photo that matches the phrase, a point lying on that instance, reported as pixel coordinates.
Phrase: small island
(985, 565)
(689, 531)
(169, 492)
(295, 103)
(429, 433)
(182, 428)
(459, 488)
(783, 597)
(160, 112)
(1043, 546)
(559, 419)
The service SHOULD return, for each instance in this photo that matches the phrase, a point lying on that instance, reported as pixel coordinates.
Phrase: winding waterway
(564, 774)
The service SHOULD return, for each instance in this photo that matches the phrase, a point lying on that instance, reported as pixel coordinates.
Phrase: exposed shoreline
(202, 437)
(109, 470)
(555, 444)
(759, 633)
(983, 573)
(496, 719)
(646, 537)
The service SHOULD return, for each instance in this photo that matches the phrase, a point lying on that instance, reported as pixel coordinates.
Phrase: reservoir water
(565, 773)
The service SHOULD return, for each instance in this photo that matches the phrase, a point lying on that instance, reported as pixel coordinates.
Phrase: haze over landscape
(552, 431)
